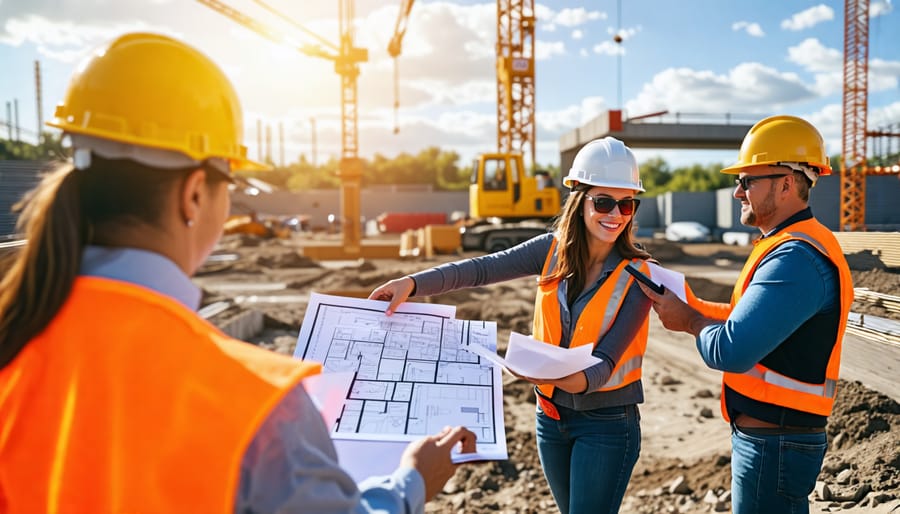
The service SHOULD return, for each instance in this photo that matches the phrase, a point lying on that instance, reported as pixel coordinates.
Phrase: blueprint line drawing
(412, 373)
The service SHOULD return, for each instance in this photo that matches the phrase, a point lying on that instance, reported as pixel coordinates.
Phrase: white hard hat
(605, 162)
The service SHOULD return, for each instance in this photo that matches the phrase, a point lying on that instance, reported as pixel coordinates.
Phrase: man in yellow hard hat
(778, 342)
(115, 396)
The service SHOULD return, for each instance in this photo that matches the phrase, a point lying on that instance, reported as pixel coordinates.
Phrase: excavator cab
(500, 188)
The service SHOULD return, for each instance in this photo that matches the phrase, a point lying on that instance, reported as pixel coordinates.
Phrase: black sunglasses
(745, 182)
(605, 204)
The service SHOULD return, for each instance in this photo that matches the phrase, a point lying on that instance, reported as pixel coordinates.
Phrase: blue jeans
(774, 473)
(587, 456)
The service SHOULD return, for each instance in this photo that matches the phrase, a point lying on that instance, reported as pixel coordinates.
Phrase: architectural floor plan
(413, 374)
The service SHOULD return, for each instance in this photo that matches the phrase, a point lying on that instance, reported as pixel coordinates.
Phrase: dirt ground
(684, 464)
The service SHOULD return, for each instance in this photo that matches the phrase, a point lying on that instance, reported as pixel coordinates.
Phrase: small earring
(189, 223)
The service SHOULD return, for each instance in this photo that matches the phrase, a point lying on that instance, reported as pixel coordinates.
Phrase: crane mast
(856, 94)
(346, 58)
(515, 77)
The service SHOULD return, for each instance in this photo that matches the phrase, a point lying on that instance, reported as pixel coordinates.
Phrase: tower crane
(515, 73)
(855, 166)
(856, 68)
(346, 57)
(515, 77)
(395, 46)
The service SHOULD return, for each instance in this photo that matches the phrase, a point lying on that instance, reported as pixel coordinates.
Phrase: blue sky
(749, 58)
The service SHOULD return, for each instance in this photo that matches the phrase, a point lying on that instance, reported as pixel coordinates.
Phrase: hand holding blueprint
(535, 359)
(410, 376)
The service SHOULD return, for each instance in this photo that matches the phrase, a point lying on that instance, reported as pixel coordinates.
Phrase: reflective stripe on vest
(827, 390)
(129, 402)
(591, 326)
(765, 385)
(618, 378)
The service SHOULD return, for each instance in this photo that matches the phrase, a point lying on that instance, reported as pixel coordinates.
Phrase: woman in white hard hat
(588, 430)
(114, 395)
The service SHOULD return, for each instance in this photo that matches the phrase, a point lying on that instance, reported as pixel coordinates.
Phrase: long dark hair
(572, 249)
(69, 209)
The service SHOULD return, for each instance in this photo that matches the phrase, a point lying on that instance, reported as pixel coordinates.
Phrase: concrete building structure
(659, 130)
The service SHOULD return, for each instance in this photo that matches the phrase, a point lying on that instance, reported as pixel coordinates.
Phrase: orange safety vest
(590, 326)
(130, 402)
(765, 385)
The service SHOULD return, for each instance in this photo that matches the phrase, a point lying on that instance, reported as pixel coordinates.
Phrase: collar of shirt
(143, 268)
(801, 215)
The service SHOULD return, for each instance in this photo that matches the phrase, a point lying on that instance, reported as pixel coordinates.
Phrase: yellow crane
(346, 57)
(501, 188)
(395, 46)
(515, 77)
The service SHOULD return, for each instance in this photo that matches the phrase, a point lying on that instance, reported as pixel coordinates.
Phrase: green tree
(655, 175)
(50, 148)
(699, 178)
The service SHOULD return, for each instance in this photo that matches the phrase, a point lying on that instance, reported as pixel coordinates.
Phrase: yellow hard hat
(782, 139)
(153, 91)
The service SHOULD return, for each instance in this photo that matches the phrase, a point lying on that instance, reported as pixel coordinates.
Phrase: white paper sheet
(673, 280)
(535, 359)
(411, 376)
(327, 391)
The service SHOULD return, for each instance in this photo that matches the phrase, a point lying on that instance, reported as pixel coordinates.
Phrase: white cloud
(748, 87)
(808, 18)
(885, 115)
(883, 75)
(568, 17)
(63, 40)
(555, 123)
(547, 49)
(829, 121)
(578, 16)
(880, 8)
(626, 33)
(815, 57)
(752, 29)
(608, 48)
(827, 65)
(577, 34)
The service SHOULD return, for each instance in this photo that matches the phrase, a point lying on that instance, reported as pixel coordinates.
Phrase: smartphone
(647, 281)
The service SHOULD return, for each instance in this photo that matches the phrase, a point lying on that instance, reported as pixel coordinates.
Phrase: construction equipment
(515, 77)
(346, 58)
(855, 166)
(395, 46)
(506, 205)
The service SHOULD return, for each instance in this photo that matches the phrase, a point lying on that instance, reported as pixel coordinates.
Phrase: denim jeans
(774, 473)
(587, 456)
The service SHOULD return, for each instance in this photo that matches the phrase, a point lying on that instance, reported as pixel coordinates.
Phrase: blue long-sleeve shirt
(291, 464)
(527, 259)
(795, 287)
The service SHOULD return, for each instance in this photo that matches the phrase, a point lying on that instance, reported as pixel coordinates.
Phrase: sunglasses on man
(746, 182)
(605, 204)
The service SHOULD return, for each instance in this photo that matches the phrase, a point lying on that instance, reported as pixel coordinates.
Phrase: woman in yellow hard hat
(114, 395)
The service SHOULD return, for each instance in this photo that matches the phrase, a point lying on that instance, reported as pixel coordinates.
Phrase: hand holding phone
(644, 279)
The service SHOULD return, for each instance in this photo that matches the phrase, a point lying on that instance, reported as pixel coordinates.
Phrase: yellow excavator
(507, 206)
